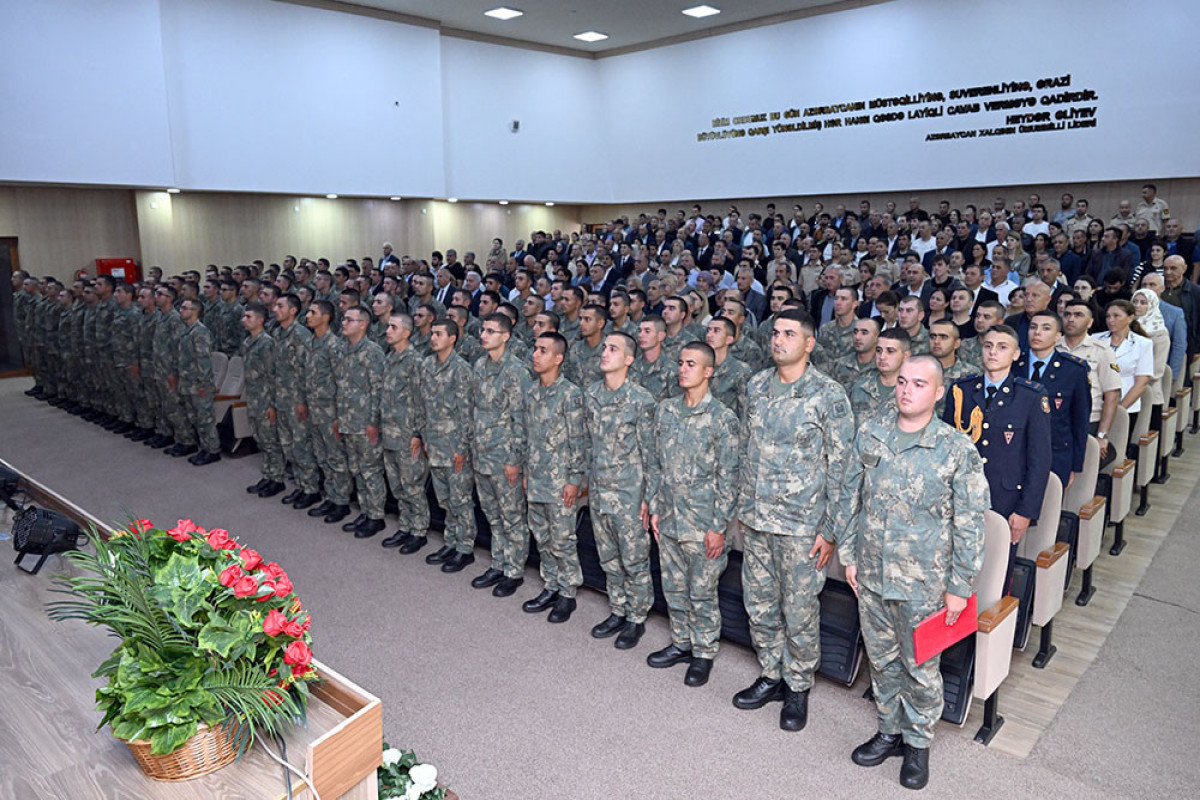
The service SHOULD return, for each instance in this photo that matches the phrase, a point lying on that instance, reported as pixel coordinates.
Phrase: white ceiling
(630, 24)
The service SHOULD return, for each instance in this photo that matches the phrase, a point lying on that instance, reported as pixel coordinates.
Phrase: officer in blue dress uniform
(1008, 418)
(1065, 379)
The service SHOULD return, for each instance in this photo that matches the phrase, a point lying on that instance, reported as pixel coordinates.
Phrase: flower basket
(209, 750)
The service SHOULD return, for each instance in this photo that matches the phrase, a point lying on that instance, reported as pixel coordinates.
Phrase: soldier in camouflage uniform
(21, 308)
(849, 368)
(230, 331)
(195, 386)
(653, 369)
(875, 392)
(676, 315)
(258, 365)
(742, 346)
(554, 471)
(618, 315)
(789, 517)
(167, 331)
(730, 375)
(568, 310)
(381, 310)
(498, 454)
(447, 392)
(423, 318)
(359, 374)
(50, 313)
(42, 380)
(399, 420)
(944, 344)
(325, 349)
(912, 544)
(106, 371)
(583, 359)
(837, 335)
(125, 341)
(696, 449)
(68, 348)
(911, 319)
(989, 313)
(622, 475)
(291, 382)
(151, 406)
(467, 346)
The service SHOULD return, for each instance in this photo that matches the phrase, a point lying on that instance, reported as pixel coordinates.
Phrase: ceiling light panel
(699, 12)
(591, 36)
(504, 13)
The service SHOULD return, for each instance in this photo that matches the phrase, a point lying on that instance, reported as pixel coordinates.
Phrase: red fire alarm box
(123, 269)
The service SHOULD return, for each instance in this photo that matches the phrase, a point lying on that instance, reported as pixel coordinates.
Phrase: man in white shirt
(924, 242)
(1039, 223)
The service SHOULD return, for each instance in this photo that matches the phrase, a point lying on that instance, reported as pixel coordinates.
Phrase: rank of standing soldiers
(356, 387)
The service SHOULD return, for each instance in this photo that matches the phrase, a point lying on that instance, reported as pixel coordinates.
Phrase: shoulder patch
(1074, 359)
(1025, 383)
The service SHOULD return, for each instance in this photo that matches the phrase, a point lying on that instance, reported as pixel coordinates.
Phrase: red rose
(283, 586)
(297, 655)
(182, 531)
(273, 570)
(250, 559)
(245, 586)
(140, 526)
(230, 575)
(269, 587)
(294, 629)
(275, 623)
(300, 670)
(218, 539)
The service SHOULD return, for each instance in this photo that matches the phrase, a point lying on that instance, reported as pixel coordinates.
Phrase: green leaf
(142, 700)
(129, 729)
(219, 638)
(170, 739)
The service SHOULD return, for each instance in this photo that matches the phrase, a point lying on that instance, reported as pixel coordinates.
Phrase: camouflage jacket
(258, 367)
(582, 366)
(696, 455)
(105, 311)
(320, 379)
(869, 395)
(469, 348)
(619, 440)
(554, 439)
(291, 364)
(728, 384)
(498, 438)
(660, 379)
(836, 340)
(961, 369)
(125, 339)
(195, 360)
(359, 376)
(447, 391)
(229, 321)
(167, 331)
(147, 325)
(848, 369)
(914, 526)
(793, 442)
(746, 350)
(400, 407)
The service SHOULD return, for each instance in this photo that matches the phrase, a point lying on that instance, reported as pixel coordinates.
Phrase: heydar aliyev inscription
(1009, 108)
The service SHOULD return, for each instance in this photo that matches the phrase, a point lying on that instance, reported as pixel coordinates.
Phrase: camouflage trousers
(689, 584)
(780, 584)
(330, 456)
(294, 439)
(453, 490)
(267, 438)
(147, 411)
(624, 550)
(168, 407)
(503, 505)
(407, 476)
(908, 695)
(129, 396)
(68, 385)
(199, 417)
(365, 463)
(553, 528)
(110, 386)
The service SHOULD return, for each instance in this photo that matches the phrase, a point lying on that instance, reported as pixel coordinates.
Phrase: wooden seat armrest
(1169, 412)
(1046, 558)
(1092, 508)
(995, 615)
(1148, 437)
(226, 396)
(1124, 468)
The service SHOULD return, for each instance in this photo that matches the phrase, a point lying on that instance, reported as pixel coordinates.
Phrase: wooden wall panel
(60, 230)
(1183, 194)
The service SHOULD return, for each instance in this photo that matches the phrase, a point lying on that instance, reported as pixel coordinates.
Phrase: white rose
(424, 777)
(391, 756)
(413, 793)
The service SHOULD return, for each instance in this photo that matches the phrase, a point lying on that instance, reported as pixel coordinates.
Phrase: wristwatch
(1101, 435)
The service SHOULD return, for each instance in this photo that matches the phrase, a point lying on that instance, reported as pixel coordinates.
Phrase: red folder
(933, 635)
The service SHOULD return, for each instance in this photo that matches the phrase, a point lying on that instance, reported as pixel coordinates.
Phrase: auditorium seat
(229, 400)
(1183, 406)
(1147, 455)
(1040, 545)
(1122, 474)
(1166, 439)
(220, 362)
(997, 625)
(1091, 507)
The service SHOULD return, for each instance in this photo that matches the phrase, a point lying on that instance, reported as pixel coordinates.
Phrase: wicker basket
(207, 751)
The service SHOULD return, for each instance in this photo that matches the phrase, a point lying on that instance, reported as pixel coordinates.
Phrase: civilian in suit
(1037, 298)
(1065, 379)
(973, 282)
(756, 301)
(1178, 243)
(1008, 418)
(1182, 293)
(1109, 255)
(388, 257)
(446, 285)
(820, 304)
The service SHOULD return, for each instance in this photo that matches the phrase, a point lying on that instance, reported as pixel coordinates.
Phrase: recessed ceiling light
(701, 11)
(503, 13)
(451, 199)
(503, 202)
(591, 36)
(549, 202)
(393, 197)
(172, 191)
(331, 196)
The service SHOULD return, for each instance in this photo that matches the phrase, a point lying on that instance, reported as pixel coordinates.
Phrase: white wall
(82, 96)
(1140, 58)
(276, 97)
(558, 153)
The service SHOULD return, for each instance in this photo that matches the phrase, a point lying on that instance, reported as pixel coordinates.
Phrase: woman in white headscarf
(1149, 316)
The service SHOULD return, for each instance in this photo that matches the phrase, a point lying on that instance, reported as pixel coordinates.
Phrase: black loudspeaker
(43, 533)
